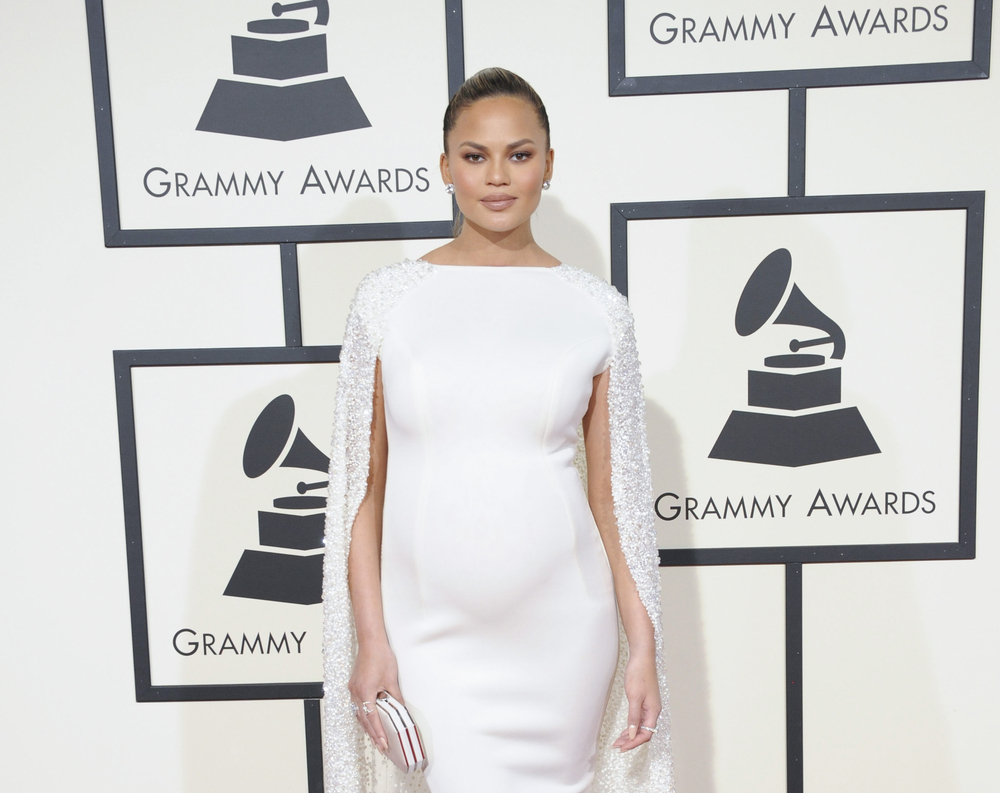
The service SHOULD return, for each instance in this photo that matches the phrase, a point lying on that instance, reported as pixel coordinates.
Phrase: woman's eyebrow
(481, 147)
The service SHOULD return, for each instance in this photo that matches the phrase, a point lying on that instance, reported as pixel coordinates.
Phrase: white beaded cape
(351, 764)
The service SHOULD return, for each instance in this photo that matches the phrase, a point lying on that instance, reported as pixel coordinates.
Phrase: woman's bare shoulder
(444, 254)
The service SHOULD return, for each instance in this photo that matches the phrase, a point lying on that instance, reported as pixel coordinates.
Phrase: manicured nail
(632, 729)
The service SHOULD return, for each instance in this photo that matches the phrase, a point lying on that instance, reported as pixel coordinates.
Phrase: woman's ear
(445, 170)
(549, 157)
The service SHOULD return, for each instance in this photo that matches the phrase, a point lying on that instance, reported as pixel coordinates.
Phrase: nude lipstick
(497, 201)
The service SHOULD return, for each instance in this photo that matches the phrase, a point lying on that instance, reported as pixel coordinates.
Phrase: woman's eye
(473, 157)
(521, 156)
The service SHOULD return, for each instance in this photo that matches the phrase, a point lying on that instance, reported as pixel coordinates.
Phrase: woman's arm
(641, 687)
(375, 665)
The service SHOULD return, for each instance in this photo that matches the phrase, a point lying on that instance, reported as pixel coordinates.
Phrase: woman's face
(497, 159)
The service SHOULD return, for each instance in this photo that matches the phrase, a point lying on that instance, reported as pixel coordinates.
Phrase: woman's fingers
(376, 725)
(371, 723)
(641, 717)
(362, 718)
(634, 717)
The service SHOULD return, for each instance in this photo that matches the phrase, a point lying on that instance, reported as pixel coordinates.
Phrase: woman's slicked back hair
(490, 83)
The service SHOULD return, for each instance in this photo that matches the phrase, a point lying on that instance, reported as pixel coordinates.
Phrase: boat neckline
(492, 266)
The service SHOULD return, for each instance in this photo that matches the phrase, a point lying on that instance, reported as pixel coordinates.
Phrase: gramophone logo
(803, 388)
(279, 51)
(282, 576)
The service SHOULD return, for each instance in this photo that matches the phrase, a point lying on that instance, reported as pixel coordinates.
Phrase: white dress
(497, 593)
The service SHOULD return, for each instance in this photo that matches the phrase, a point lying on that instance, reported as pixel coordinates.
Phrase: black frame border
(124, 362)
(117, 237)
(620, 84)
(973, 202)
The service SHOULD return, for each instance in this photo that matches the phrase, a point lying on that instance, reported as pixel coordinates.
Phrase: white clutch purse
(405, 748)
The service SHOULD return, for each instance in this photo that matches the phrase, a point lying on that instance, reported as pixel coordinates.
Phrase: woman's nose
(497, 174)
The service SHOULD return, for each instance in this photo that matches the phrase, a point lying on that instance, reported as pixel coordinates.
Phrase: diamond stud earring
(546, 184)
(449, 188)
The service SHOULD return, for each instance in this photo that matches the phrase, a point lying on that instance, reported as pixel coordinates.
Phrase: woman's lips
(498, 201)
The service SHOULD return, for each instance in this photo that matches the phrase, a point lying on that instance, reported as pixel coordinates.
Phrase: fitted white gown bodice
(497, 593)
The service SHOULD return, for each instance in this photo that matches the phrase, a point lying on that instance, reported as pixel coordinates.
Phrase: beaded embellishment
(350, 763)
(347, 752)
(647, 768)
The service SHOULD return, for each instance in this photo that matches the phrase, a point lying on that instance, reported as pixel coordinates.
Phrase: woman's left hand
(643, 693)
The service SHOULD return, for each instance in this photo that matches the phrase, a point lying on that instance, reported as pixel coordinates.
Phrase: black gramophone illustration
(282, 50)
(795, 383)
(276, 575)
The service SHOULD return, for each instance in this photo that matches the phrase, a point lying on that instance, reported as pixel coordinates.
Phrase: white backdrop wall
(899, 681)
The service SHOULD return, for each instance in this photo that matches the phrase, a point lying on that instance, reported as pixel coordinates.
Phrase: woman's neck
(481, 247)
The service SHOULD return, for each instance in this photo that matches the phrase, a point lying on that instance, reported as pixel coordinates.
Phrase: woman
(468, 561)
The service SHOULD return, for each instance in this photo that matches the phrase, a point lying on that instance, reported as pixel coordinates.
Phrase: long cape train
(350, 762)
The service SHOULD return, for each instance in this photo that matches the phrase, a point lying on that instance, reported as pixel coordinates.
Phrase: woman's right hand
(374, 671)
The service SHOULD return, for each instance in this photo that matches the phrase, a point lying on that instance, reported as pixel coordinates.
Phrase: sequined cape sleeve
(648, 768)
(344, 751)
